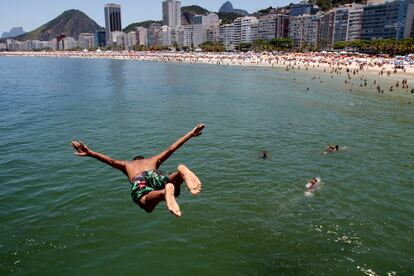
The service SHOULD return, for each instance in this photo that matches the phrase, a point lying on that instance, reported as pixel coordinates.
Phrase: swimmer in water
(331, 149)
(149, 186)
(264, 155)
(311, 185)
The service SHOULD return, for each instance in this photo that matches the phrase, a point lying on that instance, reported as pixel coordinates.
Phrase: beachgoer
(330, 149)
(264, 155)
(312, 184)
(149, 185)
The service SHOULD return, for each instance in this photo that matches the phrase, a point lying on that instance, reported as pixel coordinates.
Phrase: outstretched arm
(197, 131)
(82, 150)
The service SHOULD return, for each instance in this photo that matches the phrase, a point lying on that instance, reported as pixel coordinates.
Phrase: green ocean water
(65, 215)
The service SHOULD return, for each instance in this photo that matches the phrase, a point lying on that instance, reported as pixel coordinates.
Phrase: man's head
(138, 157)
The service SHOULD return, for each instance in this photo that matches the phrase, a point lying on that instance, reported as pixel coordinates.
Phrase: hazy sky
(30, 14)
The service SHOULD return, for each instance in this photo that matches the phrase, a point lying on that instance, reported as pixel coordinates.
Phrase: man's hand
(81, 149)
(197, 131)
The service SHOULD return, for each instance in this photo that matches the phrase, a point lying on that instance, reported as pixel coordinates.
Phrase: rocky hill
(228, 8)
(70, 22)
(144, 24)
(188, 12)
(13, 32)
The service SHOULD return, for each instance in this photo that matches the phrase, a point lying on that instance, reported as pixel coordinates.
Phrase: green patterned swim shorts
(145, 182)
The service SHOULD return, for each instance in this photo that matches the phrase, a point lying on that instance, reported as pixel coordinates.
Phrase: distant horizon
(132, 11)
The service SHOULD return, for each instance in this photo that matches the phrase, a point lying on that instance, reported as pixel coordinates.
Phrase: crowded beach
(353, 66)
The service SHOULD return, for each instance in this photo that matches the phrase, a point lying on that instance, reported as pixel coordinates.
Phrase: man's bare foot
(172, 204)
(192, 181)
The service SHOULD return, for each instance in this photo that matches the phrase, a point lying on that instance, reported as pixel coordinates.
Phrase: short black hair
(138, 157)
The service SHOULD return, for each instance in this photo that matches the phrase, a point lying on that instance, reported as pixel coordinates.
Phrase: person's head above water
(337, 147)
(138, 157)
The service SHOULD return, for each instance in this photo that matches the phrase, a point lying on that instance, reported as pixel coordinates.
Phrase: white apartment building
(355, 22)
(166, 36)
(2, 46)
(131, 40)
(212, 33)
(304, 31)
(141, 36)
(13, 45)
(246, 30)
(68, 43)
(86, 40)
(200, 24)
(118, 38)
(187, 36)
(226, 36)
(273, 26)
(52, 44)
(348, 22)
(154, 35)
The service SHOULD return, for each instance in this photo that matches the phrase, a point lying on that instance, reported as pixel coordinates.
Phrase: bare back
(138, 166)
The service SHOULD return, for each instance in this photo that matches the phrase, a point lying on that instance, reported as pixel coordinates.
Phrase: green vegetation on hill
(144, 24)
(228, 18)
(327, 4)
(194, 9)
(70, 22)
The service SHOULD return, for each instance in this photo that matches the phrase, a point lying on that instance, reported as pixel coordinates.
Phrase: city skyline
(19, 13)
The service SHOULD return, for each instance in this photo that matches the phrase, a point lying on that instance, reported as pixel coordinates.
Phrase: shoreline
(354, 68)
(374, 63)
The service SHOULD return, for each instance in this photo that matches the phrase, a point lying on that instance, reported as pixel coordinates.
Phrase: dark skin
(135, 167)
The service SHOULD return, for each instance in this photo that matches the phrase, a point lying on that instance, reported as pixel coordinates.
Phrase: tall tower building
(171, 13)
(112, 20)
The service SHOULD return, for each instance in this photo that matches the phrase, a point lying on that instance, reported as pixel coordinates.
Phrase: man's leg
(192, 181)
(170, 201)
(149, 201)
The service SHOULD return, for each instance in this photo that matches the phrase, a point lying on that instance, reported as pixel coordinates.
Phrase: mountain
(228, 8)
(194, 9)
(13, 32)
(144, 24)
(70, 22)
(188, 12)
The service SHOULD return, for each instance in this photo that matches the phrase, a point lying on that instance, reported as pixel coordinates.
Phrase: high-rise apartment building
(226, 36)
(388, 20)
(326, 29)
(273, 26)
(142, 36)
(200, 24)
(86, 40)
(166, 36)
(212, 33)
(355, 16)
(100, 38)
(171, 13)
(348, 22)
(131, 40)
(304, 31)
(246, 30)
(113, 21)
(154, 34)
